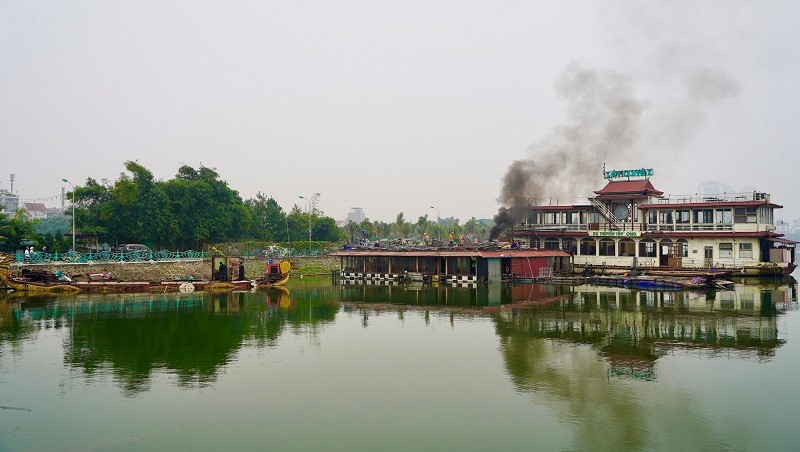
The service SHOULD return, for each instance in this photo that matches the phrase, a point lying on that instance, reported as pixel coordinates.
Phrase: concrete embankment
(170, 270)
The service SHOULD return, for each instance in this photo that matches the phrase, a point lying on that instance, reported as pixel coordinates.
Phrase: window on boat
(607, 247)
(704, 216)
(588, 247)
(746, 250)
(766, 215)
(724, 216)
(652, 216)
(571, 217)
(570, 245)
(627, 247)
(726, 250)
(683, 245)
(647, 248)
(745, 214)
(551, 243)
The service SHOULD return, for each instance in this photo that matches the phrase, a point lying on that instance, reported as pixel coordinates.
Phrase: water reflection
(466, 296)
(632, 329)
(191, 336)
(194, 336)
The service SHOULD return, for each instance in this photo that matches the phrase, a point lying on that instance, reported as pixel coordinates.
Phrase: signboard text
(640, 172)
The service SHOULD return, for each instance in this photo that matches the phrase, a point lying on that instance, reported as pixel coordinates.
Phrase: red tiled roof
(636, 187)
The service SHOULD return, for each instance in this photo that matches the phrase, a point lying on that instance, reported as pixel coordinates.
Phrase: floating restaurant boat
(453, 264)
(629, 223)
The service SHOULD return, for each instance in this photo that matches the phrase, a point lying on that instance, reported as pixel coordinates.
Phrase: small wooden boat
(37, 287)
(275, 275)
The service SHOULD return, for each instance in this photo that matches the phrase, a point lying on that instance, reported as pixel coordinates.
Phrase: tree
(367, 226)
(15, 230)
(352, 228)
(269, 220)
(325, 229)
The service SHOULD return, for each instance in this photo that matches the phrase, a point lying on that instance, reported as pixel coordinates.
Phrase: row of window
(645, 248)
(660, 216)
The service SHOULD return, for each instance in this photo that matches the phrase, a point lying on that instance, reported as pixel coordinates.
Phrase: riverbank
(180, 269)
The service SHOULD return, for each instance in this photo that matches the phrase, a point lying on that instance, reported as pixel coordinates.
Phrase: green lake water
(341, 367)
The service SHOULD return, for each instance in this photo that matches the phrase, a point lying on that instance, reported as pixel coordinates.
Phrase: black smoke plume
(604, 123)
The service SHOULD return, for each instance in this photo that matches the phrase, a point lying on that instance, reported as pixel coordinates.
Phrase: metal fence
(107, 256)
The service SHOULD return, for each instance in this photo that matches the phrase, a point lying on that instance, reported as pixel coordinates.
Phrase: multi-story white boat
(630, 223)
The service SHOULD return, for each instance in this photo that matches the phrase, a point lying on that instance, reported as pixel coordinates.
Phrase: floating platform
(662, 282)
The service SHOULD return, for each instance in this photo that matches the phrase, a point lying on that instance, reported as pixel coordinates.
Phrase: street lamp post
(438, 214)
(308, 203)
(73, 214)
(438, 218)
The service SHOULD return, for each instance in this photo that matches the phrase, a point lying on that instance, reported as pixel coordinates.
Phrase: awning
(783, 241)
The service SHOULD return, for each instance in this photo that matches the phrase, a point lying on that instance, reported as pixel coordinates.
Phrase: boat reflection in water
(135, 335)
(194, 335)
(632, 329)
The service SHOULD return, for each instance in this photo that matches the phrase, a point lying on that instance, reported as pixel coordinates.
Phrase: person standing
(222, 275)
(241, 269)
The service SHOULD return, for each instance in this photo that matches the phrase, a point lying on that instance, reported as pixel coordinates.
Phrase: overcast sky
(391, 106)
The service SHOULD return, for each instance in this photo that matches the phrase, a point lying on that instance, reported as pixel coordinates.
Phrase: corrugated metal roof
(452, 253)
(783, 240)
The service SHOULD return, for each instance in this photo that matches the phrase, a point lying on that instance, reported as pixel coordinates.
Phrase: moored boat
(629, 223)
(276, 274)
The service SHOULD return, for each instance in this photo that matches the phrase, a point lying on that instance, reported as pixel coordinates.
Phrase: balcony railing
(701, 227)
(108, 256)
(718, 198)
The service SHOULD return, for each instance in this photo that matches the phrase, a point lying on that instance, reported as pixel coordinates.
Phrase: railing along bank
(38, 257)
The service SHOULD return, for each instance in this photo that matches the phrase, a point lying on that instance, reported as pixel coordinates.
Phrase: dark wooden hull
(267, 282)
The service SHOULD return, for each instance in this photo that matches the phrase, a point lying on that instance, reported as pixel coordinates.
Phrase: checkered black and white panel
(463, 278)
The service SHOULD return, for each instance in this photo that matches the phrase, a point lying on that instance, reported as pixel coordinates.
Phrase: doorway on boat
(708, 256)
(672, 253)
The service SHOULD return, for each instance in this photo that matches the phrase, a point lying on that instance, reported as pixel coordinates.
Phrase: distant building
(783, 227)
(54, 212)
(356, 215)
(35, 210)
(9, 203)
(714, 187)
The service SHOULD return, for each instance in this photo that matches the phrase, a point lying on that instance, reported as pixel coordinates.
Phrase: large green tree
(269, 220)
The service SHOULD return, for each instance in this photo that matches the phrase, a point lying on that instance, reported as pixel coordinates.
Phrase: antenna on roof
(12, 184)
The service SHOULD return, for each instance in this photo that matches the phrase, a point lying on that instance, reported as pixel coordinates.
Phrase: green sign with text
(640, 172)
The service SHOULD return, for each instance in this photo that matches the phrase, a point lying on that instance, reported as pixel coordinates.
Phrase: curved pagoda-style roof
(639, 188)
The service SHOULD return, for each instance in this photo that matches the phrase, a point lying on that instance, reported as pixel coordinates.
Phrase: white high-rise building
(9, 203)
(356, 215)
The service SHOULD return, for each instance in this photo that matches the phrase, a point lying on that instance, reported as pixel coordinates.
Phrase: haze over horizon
(397, 107)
